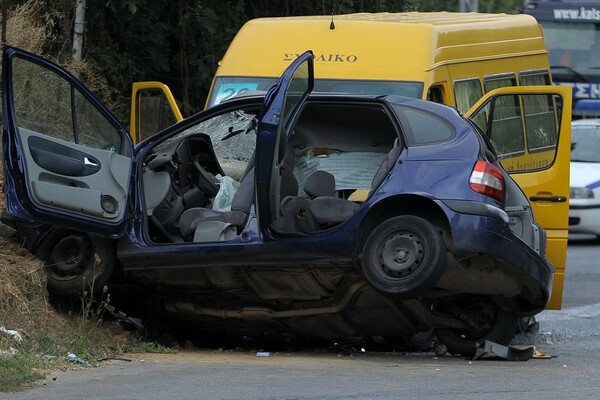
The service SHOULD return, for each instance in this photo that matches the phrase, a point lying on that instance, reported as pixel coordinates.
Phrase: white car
(584, 207)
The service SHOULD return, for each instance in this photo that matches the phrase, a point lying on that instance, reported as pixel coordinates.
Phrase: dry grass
(23, 296)
(48, 334)
(23, 31)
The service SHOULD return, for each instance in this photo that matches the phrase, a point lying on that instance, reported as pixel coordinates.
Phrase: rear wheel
(76, 262)
(485, 320)
(404, 256)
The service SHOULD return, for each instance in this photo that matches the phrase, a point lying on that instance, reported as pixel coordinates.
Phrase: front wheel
(76, 262)
(404, 256)
(485, 320)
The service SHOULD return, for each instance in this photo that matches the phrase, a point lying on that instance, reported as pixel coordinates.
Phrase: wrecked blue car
(325, 215)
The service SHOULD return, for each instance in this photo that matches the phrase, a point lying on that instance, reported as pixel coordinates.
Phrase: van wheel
(76, 262)
(486, 320)
(403, 257)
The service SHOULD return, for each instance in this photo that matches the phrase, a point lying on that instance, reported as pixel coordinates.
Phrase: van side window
(497, 81)
(154, 113)
(507, 133)
(466, 93)
(527, 140)
(534, 78)
(541, 123)
(435, 94)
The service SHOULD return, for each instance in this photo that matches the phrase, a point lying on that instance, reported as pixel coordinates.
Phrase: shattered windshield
(233, 138)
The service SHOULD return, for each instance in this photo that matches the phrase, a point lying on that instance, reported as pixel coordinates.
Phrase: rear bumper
(490, 234)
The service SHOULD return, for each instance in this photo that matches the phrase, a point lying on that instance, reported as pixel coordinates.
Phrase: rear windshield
(228, 87)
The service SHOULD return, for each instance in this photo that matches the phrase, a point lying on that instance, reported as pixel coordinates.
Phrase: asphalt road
(571, 336)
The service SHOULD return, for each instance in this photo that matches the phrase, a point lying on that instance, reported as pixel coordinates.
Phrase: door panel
(67, 176)
(530, 127)
(68, 159)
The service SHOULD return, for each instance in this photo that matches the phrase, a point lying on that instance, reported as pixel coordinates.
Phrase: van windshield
(228, 87)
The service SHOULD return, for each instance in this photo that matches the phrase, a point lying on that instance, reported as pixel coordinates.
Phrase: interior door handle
(553, 199)
(90, 162)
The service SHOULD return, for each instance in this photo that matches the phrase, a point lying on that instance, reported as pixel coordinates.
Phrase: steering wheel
(207, 182)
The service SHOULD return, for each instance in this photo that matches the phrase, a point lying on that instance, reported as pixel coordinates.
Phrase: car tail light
(487, 179)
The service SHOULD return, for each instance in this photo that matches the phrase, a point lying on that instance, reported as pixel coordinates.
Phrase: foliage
(17, 371)
(179, 42)
(143, 346)
(487, 6)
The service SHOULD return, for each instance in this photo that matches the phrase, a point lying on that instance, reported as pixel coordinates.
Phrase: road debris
(120, 315)
(491, 350)
(440, 350)
(16, 335)
(11, 352)
(71, 357)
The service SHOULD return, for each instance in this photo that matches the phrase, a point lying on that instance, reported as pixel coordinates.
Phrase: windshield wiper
(572, 71)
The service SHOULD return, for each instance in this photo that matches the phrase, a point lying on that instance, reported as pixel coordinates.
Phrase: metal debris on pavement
(492, 350)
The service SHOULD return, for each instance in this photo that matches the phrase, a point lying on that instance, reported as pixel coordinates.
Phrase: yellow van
(451, 58)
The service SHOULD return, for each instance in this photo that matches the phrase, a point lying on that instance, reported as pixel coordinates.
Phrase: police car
(584, 208)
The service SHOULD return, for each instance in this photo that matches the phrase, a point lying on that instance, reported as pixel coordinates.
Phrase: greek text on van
(349, 58)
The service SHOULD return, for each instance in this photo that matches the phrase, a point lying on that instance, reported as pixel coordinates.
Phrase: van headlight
(581, 193)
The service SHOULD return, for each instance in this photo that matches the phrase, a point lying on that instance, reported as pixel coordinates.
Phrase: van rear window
(227, 87)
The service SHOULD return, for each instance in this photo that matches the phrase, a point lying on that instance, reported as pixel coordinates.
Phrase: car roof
(394, 99)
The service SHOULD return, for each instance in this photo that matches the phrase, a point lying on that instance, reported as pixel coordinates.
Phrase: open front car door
(531, 132)
(66, 158)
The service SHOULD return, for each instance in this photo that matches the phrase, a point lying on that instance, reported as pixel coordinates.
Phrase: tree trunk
(5, 5)
(78, 31)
